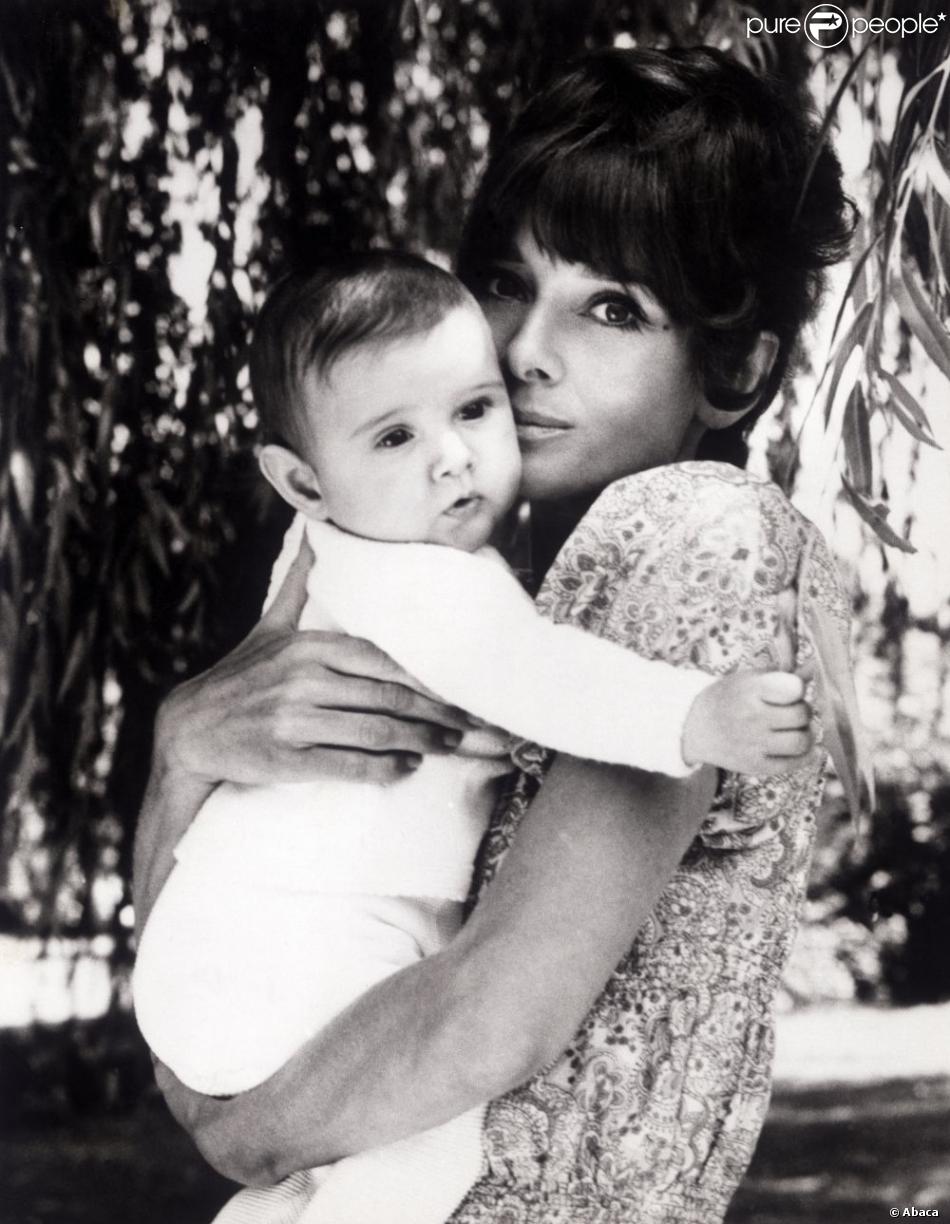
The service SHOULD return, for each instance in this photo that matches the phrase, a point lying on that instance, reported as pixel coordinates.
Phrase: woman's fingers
(346, 765)
(287, 705)
(355, 656)
(303, 728)
(368, 679)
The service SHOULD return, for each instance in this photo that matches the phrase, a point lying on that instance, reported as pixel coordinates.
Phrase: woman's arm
(584, 872)
(590, 860)
(283, 706)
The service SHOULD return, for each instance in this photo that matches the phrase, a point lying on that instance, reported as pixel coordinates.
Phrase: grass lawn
(848, 1154)
(842, 1154)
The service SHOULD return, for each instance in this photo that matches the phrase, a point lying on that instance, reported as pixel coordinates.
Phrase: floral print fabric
(652, 1113)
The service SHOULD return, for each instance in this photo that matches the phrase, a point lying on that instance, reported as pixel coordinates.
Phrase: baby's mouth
(463, 505)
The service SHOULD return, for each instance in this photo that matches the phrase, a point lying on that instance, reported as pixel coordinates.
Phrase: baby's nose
(454, 456)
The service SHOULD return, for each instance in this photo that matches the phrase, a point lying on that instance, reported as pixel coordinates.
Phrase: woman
(646, 263)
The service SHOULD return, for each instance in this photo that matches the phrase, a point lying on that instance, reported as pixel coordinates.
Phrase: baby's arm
(462, 625)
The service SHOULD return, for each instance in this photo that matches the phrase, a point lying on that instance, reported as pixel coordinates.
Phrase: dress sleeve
(462, 625)
(701, 564)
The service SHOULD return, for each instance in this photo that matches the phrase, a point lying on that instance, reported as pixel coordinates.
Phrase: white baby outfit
(287, 902)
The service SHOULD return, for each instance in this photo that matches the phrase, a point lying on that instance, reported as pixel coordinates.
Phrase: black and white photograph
(475, 612)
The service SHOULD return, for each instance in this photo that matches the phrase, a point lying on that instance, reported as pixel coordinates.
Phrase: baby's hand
(750, 722)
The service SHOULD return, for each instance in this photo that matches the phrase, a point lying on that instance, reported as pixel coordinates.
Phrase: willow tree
(159, 144)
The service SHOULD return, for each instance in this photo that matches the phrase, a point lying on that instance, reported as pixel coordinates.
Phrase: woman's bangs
(594, 207)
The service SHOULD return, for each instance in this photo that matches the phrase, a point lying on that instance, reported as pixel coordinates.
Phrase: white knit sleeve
(462, 625)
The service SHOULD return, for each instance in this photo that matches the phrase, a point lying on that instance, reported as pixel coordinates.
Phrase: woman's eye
(394, 437)
(505, 287)
(617, 312)
(475, 410)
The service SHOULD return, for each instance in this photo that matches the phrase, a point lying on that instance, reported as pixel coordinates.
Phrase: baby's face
(413, 439)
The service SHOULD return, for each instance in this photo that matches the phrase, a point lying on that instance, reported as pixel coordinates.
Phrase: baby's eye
(505, 286)
(617, 311)
(475, 409)
(394, 437)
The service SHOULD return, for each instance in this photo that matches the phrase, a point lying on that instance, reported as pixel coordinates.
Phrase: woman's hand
(197, 1115)
(286, 706)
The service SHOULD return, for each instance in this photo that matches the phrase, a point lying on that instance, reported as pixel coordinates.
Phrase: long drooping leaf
(938, 170)
(876, 518)
(921, 318)
(938, 227)
(838, 705)
(828, 120)
(856, 435)
(853, 337)
(904, 406)
(915, 90)
(855, 292)
(911, 425)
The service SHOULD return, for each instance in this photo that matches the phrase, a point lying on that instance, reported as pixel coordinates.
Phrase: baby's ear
(294, 479)
(754, 373)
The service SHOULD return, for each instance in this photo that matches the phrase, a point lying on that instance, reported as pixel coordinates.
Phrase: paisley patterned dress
(651, 1115)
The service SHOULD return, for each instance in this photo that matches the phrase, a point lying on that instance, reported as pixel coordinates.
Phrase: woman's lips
(534, 426)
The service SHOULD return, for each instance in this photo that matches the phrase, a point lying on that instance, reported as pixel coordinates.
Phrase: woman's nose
(453, 456)
(531, 354)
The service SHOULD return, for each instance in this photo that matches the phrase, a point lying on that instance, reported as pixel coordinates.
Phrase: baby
(397, 447)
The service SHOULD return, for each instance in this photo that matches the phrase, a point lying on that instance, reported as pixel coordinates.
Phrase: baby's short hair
(311, 319)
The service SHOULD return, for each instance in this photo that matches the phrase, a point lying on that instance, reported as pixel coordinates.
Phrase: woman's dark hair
(686, 172)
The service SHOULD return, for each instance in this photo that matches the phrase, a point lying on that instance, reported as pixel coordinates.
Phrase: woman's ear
(755, 371)
(294, 479)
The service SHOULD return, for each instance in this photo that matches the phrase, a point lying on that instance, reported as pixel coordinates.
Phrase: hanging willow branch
(127, 507)
(901, 258)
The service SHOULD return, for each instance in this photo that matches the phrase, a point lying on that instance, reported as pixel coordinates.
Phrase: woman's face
(601, 380)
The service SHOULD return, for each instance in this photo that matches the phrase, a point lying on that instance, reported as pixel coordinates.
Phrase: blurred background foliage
(164, 160)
